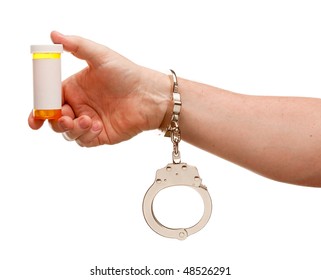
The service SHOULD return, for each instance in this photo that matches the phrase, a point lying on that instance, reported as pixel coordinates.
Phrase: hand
(111, 100)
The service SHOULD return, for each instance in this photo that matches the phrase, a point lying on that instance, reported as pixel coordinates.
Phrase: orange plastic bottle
(47, 95)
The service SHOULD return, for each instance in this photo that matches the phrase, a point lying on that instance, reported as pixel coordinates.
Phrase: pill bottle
(47, 97)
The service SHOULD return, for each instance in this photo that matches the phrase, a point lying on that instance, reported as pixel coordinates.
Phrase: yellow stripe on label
(46, 55)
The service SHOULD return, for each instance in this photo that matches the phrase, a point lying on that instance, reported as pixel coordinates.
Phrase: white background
(65, 209)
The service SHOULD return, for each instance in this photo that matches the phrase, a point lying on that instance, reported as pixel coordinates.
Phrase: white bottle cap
(54, 48)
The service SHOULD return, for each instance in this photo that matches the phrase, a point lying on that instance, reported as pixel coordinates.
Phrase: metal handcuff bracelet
(176, 174)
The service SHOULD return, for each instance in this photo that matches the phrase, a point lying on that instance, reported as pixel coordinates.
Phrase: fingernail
(83, 123)
(96, 126)
(63, 124)
(59, 33)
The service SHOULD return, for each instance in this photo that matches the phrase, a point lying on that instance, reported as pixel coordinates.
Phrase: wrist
(167, 116)
(160, 105)
(173, 110)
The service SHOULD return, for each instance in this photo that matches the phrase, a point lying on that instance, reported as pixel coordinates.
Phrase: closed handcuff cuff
(176, 174)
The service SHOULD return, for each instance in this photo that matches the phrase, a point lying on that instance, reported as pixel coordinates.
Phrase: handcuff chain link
(176, 138)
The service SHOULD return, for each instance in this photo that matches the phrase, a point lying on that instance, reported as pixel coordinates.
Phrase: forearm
(277, 137)
(114, 99)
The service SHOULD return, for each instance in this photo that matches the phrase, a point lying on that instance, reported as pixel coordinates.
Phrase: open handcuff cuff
(176, 174)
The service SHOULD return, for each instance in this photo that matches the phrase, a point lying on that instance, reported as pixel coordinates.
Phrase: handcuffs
(176, 174)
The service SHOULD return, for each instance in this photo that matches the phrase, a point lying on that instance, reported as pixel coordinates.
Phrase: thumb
(81, 48)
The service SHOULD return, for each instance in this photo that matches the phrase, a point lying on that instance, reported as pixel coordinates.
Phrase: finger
(81, 126)
(65, 122)
(34, 123)
(80, 47)
(90, 138)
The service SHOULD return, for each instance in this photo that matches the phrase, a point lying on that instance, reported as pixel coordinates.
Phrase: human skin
(114, 99)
